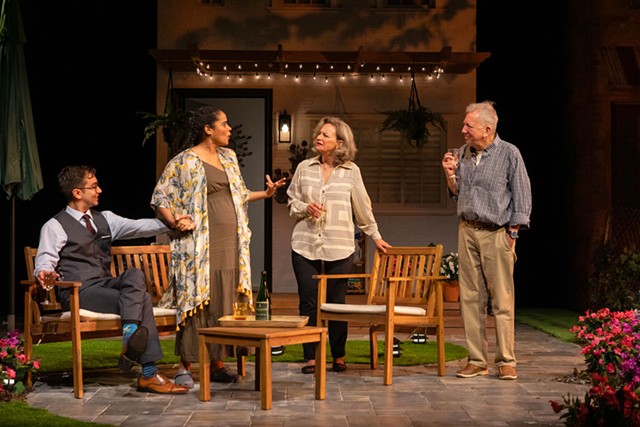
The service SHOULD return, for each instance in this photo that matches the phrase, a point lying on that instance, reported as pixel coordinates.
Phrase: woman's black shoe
(339, 367)
(221, 375)
(277, 351)
(309, 369)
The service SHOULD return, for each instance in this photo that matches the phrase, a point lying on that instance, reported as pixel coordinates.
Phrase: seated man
(75, 245)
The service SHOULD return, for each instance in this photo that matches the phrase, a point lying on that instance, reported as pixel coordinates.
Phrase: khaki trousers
(486, 262)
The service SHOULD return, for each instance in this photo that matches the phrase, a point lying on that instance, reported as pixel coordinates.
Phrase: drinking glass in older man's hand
(240, 310)
(454, 152)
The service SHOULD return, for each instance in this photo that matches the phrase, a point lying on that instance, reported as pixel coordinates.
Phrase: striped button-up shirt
(344, 196)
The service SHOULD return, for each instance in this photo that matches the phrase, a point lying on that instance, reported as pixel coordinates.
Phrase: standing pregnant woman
(210, 267)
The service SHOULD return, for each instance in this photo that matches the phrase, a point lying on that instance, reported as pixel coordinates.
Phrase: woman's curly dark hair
(206, 115)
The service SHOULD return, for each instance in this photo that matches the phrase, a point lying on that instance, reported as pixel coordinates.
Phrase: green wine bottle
(262, 301)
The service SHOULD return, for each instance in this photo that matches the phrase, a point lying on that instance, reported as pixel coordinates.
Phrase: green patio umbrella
(20, 174)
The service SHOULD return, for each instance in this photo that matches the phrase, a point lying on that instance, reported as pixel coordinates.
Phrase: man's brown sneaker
(507, 372)
(471, 371)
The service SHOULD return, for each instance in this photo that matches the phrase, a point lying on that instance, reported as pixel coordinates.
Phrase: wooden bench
(45, 322)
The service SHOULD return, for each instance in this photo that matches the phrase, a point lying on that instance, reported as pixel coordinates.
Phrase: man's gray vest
(85, 256)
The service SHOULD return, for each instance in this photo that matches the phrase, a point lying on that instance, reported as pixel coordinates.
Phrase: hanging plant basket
(173, 121)
(413, 123)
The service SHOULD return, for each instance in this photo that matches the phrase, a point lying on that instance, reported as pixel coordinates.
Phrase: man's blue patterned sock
(149, 370)
(127, 330)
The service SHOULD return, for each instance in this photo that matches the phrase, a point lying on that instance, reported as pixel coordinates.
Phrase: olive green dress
(224, 268)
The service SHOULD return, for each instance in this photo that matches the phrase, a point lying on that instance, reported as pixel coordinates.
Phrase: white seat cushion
(371, 309)
(88, 314)
(157, 311)
(93, 315)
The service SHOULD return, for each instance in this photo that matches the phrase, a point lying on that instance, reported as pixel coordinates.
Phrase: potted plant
(299, 153)
(449, 269)
(413, 123)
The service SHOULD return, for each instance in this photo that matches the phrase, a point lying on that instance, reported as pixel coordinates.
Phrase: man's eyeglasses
(93, 187)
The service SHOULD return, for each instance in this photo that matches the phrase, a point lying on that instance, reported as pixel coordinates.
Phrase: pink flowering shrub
(15, 366)
(611, 347)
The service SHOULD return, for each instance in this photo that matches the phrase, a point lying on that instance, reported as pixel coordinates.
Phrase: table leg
(205, 368)
(321, 366)
(241, 364)
(265, 374)
(258, 370)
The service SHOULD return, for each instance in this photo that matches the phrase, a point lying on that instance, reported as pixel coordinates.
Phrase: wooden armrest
(323, 281)
(408, 278)
(342, 276)
(60, 284)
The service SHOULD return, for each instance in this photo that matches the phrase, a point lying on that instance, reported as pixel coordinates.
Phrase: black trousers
(304, 269)
(127, 296)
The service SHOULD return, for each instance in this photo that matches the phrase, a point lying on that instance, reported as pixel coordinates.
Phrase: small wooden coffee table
(263, 339)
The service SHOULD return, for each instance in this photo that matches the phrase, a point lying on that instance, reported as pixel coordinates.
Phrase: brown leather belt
(481, 225)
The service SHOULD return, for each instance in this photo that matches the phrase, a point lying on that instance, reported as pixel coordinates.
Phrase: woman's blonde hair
(345, 152)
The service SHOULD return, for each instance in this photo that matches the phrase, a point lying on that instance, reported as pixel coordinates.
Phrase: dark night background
(90, 72)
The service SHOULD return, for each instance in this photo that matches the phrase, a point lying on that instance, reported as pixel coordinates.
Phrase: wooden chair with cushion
(404, 289)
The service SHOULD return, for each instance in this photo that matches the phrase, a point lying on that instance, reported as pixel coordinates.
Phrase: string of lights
(237, 74)
(319, 66)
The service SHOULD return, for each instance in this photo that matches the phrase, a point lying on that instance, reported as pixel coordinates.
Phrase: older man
(488, 179)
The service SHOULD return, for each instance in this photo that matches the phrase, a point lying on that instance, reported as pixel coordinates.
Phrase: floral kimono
(182, 188)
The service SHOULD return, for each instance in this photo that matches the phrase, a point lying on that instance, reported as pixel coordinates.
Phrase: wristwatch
(513, 234)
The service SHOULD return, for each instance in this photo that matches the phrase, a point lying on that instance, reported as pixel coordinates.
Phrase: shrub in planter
(615, 280)
(14, 366)
(611, 348)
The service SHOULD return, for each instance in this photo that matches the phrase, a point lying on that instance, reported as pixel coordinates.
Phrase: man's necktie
(87, 221)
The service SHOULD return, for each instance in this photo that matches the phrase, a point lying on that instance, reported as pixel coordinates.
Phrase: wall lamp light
(284, 127)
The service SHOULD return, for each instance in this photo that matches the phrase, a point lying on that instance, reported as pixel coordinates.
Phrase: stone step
(286, 304)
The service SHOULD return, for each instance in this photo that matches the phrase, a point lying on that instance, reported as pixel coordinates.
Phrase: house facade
(263, 61)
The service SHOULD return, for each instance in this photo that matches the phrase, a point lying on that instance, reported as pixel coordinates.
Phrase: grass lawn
(104, 353)
(19, 414)
(554, 321)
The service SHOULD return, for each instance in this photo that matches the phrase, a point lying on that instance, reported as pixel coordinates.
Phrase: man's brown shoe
(471, 371)
(158, 383)
(507, 372)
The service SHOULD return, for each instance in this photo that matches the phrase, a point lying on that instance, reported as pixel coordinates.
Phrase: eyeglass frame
(93, 187)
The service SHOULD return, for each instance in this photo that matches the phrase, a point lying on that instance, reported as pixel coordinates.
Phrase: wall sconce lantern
(284, 127)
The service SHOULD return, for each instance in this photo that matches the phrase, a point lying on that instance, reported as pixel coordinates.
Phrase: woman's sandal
(222, 375)
(184, 378)
(309, 369)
